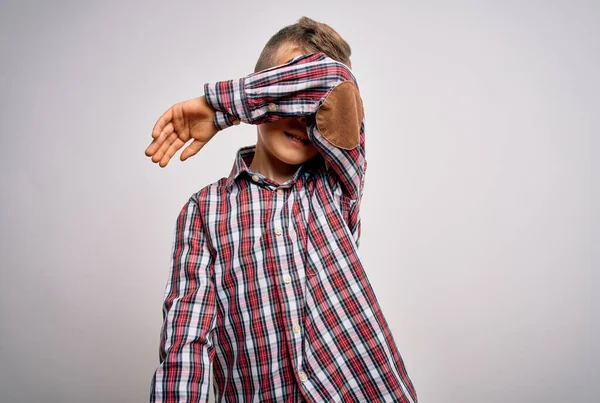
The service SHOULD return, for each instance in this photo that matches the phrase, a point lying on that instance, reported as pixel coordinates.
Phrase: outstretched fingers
(164, 146)
(173, 148)
(162, 123)
(159, 139)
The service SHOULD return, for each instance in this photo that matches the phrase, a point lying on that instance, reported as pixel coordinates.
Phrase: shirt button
(255, 178)
(280, 191)
(278, 231)
(272, 107)
(302, 376)
(287, 279)
(236, 122)
(296, 329)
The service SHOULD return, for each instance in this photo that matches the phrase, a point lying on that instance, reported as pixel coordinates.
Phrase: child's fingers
(151, 149)
(165, 133)
(173, 148)
(164, 147)
(158, 140)
(162, 122)
(192, 149)
(167, 130)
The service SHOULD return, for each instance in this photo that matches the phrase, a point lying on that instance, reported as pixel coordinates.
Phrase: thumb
(192, 149)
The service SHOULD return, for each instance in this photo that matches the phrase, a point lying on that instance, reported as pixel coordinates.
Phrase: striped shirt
(266, 282)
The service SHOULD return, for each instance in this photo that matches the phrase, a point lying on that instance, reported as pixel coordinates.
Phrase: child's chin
(293, 155)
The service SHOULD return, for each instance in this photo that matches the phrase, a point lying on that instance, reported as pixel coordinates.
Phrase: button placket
(278, 209)
(281, 245)
(287, 279)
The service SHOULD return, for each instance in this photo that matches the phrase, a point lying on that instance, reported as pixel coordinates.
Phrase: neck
(271, 167)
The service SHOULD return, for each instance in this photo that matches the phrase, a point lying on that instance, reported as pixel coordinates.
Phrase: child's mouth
(297, 139)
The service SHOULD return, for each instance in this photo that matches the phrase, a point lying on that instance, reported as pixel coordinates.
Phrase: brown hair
(311, 36)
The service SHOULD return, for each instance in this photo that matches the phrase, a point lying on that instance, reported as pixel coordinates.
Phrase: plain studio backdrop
(480, 232)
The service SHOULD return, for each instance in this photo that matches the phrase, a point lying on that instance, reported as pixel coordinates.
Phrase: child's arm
(186, 347)
(313, 85)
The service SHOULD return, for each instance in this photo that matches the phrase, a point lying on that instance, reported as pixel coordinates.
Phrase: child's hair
(311, 36)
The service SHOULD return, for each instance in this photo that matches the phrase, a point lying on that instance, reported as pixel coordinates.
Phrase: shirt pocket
(327, 233)
(240, 257)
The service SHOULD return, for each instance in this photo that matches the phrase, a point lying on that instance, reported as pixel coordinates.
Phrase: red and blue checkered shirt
(266, 282)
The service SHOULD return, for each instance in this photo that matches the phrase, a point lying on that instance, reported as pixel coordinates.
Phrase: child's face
(275, 137)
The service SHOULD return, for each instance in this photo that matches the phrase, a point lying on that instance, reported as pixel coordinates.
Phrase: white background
(480, 231)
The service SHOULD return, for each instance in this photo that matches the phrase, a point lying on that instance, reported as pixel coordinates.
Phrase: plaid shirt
(266, 280)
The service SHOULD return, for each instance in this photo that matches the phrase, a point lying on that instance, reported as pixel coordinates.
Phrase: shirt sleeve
(186, 346)
(313, 85)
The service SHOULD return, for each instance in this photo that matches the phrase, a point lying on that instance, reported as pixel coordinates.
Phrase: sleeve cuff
(228, 97)
(223, 120)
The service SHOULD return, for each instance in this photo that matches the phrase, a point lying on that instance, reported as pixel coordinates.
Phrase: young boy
(266, 280)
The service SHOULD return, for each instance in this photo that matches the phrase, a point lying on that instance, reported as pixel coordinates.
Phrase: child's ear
(340, 116)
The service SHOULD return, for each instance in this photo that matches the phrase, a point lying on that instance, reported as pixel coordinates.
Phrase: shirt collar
(244, 158)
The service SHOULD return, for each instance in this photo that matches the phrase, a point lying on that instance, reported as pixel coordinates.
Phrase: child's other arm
(186, 347)
(314, 85)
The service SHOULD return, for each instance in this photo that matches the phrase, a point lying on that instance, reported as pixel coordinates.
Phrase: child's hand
(191, 119)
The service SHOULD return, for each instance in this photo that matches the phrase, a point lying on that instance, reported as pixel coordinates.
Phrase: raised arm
(313, 85)
(186, 347)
